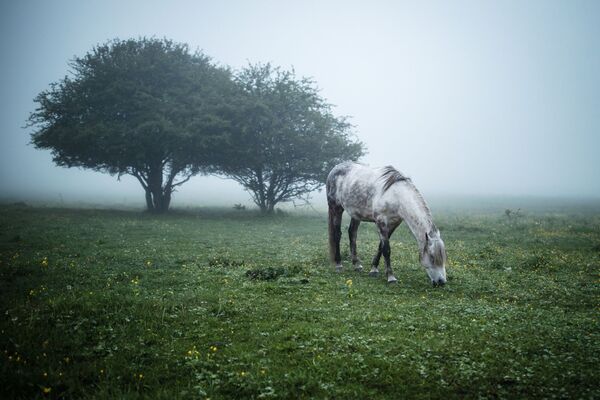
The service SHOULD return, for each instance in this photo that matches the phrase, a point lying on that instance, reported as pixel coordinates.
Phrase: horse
(386, 197)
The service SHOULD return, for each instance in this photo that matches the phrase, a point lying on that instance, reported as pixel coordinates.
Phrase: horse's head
(433, 257)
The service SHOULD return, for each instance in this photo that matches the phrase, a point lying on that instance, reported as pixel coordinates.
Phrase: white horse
(386, 197)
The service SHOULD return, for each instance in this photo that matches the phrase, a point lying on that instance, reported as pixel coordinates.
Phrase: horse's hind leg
(335, 234)
(352, 233)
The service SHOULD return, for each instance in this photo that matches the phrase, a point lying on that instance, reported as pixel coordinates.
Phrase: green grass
(225, 304)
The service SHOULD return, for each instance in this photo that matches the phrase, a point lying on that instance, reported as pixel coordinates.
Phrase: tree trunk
(158, 202)
(149, 204)
(166, 200)
(158, 198)
(268, 206)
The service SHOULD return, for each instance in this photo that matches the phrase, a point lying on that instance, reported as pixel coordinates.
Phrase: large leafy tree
(286, 138)
(149, 108)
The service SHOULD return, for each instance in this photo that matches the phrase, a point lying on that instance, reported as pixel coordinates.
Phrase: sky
(469, 98)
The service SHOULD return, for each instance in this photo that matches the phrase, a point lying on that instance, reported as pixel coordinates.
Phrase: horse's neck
(416, 215)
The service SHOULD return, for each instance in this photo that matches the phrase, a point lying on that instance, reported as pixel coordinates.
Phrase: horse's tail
(332, 230)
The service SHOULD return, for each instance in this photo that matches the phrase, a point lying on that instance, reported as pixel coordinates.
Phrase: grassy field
(225, 304)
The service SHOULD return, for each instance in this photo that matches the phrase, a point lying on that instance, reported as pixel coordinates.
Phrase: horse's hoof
(392, 280)
(338, 268)
(374, 274)
(358, 268)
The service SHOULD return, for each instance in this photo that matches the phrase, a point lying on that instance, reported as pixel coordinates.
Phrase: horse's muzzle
(440, 282)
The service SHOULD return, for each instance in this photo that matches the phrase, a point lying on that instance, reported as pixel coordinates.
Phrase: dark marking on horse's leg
(384, 234)
(352, 233)
(388, 267)
(337, 235)
(375, 264)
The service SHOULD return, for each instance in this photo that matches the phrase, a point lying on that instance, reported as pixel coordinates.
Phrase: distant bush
(265, 274)
(536, 261)
(512, 214)
(222, 261)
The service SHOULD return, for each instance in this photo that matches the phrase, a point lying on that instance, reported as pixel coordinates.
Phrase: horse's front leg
(386, 257)
(352, 233)
(384, 235)
(375, 264)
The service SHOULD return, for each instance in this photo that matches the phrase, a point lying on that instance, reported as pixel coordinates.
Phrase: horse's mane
(390, 176)
(438, 253)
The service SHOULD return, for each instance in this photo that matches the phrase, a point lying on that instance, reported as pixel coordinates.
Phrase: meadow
(219, 303)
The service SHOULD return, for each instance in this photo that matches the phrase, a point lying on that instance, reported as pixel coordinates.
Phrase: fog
(468, 98)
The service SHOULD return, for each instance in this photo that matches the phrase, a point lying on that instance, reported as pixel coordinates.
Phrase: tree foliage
(155, 110)
(286, 138)
(149, 108)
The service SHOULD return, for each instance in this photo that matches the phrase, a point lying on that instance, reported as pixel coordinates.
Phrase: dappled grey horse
(386, 197)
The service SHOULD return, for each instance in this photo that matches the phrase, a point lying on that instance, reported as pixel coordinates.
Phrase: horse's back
(353, 186)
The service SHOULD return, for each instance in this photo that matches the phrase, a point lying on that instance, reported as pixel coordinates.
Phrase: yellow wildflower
(193, 352)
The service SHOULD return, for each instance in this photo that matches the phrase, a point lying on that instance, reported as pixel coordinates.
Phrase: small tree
(148, 108)
(286, 138)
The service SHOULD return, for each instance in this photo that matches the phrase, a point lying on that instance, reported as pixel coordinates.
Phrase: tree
(286, 138)
(148, 108)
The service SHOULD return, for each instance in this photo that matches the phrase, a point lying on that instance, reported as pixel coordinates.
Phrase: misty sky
(466, 98)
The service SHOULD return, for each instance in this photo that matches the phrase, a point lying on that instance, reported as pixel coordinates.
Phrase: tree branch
(181, 182)
(140, 177)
